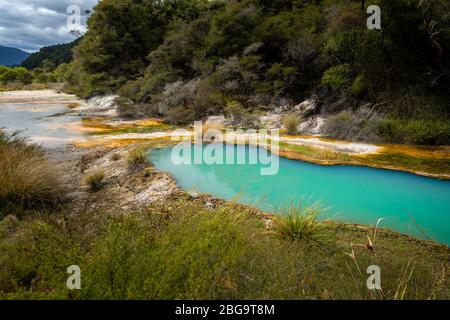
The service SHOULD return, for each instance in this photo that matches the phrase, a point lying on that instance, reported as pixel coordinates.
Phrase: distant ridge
(57, 54)
(12, 56)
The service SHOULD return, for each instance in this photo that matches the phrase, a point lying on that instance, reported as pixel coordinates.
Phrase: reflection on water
(46, 124)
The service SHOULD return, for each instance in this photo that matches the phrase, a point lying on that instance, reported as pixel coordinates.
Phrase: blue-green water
(351, 194)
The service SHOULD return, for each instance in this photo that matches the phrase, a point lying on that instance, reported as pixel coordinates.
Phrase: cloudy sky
(32, 24)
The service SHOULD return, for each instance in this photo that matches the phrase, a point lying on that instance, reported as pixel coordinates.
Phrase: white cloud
(33, 24)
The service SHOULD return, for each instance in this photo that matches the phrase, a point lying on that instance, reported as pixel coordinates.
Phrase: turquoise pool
(409, 204)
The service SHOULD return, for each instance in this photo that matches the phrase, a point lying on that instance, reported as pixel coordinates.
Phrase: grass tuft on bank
(27, 180)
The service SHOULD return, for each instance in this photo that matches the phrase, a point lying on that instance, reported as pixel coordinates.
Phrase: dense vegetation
(50, 56)
(21, 77)
(188, 59)
(179, 249)
(18, 74)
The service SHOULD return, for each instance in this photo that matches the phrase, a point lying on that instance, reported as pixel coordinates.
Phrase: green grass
(423, 131)
(315, 153)
(136, 129)
(429, 165)
(300, 222)
(179, 249)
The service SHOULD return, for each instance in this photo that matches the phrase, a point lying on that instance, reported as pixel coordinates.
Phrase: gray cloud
(32, 24)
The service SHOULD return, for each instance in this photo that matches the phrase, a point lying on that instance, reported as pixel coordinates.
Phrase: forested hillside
(189, 59)
(52, 55)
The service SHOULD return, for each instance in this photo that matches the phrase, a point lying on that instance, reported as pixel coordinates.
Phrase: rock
(271, 120)
(307, 107)
(103, 102)
(157, 190)
(101, 105)
(313, 125)
(336, 106)
(193, 194)
(219, 120)
(269, 224)
(209, 205)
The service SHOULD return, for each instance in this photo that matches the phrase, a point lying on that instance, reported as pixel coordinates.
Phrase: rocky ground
(123, 188)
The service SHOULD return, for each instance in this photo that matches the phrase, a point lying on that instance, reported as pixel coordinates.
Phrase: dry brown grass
(291, 123)
(27, 179)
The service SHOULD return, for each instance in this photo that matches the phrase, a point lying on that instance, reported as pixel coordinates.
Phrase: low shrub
(337, 76)
(137, 157)
(291, 123)
(428, 132)
(95, 180)
(344, 125)
(241, 116)
(236, 110)
(358, 86)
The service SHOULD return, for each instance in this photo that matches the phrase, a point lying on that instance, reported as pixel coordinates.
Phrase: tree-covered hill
(188, 59)
(55, 55)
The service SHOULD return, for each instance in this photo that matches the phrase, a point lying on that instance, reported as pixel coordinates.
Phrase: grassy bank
(180, 249)
(433, 162)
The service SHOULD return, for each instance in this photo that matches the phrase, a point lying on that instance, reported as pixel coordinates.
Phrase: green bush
(359, 86)
(430, 132)
(291, 123)
(337, 76)
(236, 110)
(18, 74)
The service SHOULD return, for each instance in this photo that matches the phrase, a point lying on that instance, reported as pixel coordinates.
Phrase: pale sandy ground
(37, 96)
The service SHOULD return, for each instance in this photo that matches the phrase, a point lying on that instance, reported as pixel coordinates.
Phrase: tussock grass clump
(299, 222)
(27, 179)
(291, 123)
(137, 157)
(95, 180)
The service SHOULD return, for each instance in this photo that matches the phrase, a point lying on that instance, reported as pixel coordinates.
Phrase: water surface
(48, 124)
(410, 204)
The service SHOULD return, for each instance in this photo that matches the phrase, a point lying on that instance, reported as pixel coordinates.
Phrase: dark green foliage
(260, 53)
(51, 56)
(18, 74)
